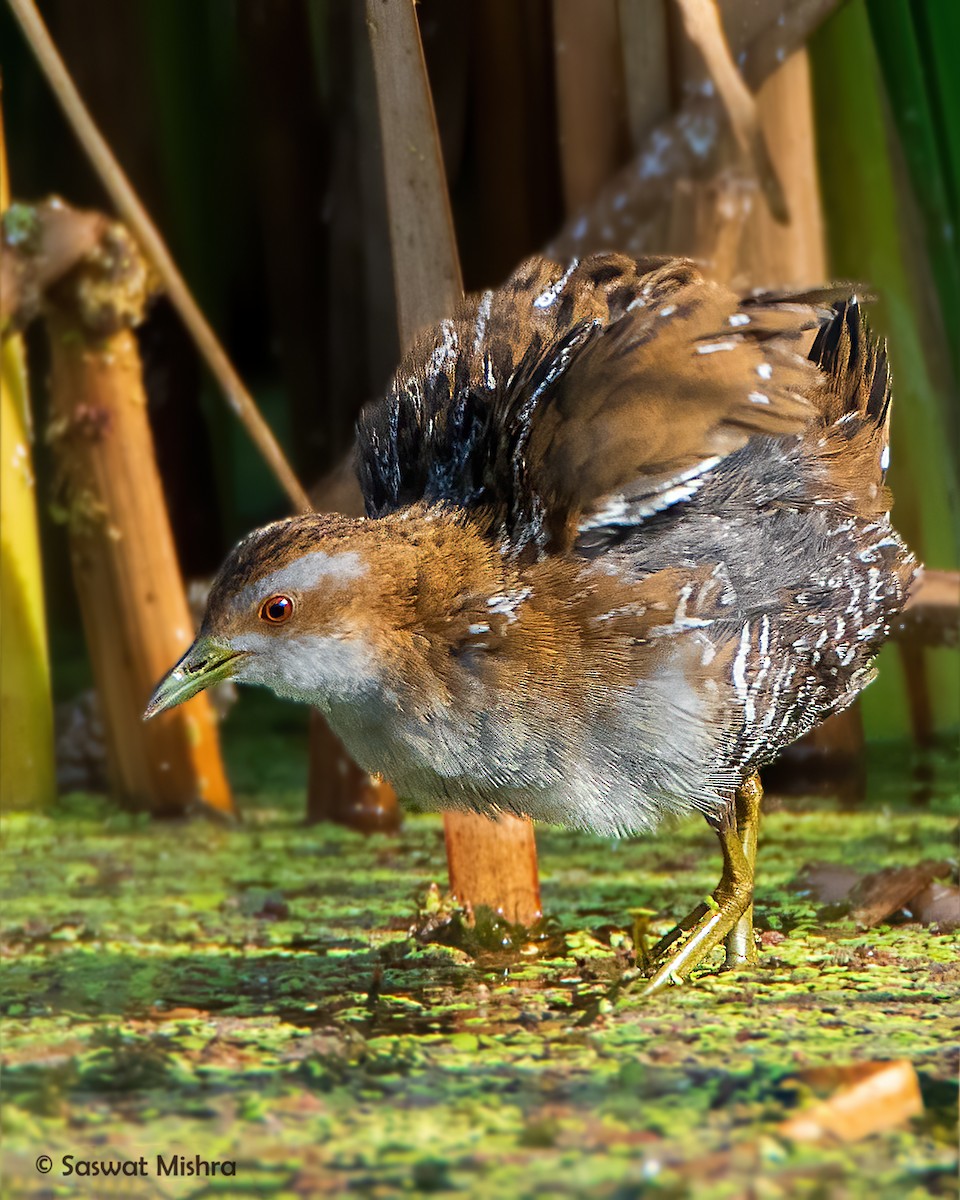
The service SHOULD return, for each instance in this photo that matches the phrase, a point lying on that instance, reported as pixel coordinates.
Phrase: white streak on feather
(740, 662)
(506, 604)
(483, 316)
(549, 295)
(305, 573)
(446, 350)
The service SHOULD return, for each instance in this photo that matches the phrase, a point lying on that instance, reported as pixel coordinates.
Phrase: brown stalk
(137, 219)
(54, 239)
(427, 278)
(591, 112)
(491, 863)
(124, 562)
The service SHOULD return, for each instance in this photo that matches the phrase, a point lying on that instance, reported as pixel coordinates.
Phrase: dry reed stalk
(591, 114)
(795, 255)
(701, 20)
(491, 863)
(26, 707)
(131, 595)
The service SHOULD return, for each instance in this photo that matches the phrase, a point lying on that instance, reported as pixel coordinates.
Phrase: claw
(728, 914)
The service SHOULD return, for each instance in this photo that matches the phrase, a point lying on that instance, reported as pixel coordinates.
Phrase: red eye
(276, 609)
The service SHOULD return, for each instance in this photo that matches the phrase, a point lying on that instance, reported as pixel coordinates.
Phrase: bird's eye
(276, 609)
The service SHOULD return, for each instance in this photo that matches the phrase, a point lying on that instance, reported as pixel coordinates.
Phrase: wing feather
(589, 395)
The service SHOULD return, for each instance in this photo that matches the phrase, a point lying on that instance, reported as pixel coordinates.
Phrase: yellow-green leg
(730, 915)
(741, 945)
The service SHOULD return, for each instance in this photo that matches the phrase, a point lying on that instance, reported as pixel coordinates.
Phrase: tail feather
(855, 406)
(856, 365)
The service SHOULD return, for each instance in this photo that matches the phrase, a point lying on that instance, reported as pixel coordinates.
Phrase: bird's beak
(205, 663)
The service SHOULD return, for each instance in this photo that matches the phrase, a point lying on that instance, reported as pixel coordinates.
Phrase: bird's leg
(741, 947)
(709, 924)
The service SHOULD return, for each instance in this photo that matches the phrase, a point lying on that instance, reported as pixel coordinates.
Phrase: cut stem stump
(131, 594)
(492, 863)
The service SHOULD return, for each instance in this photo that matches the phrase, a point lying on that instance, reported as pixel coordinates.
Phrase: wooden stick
(491, 862)
(426, 265)
(931, 616)
(137, 219)
(131, 595)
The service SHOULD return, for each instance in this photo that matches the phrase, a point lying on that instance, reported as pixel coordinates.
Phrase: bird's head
(322, 608)
(292, 608)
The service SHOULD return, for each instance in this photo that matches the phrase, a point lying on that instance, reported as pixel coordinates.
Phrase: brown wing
(598, 392)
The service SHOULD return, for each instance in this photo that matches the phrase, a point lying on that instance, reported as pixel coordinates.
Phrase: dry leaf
(937, 904)
(884, 893)
(878, 1096)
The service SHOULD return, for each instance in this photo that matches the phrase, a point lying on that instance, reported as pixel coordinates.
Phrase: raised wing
(587, 396)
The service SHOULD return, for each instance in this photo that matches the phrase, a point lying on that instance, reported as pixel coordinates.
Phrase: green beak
(204, 664)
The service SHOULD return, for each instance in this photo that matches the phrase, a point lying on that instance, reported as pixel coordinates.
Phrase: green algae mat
(243, 1011)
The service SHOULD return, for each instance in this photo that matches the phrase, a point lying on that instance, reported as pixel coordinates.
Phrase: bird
(627, 536)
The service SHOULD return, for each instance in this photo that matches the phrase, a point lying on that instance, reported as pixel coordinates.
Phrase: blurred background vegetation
(249, 128)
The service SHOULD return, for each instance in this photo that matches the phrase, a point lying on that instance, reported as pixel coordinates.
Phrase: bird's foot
(728, 915)
(705, 929)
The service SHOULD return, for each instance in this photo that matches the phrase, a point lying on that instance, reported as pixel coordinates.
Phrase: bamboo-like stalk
(128, 581)
(26, 707)
(491, 863)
